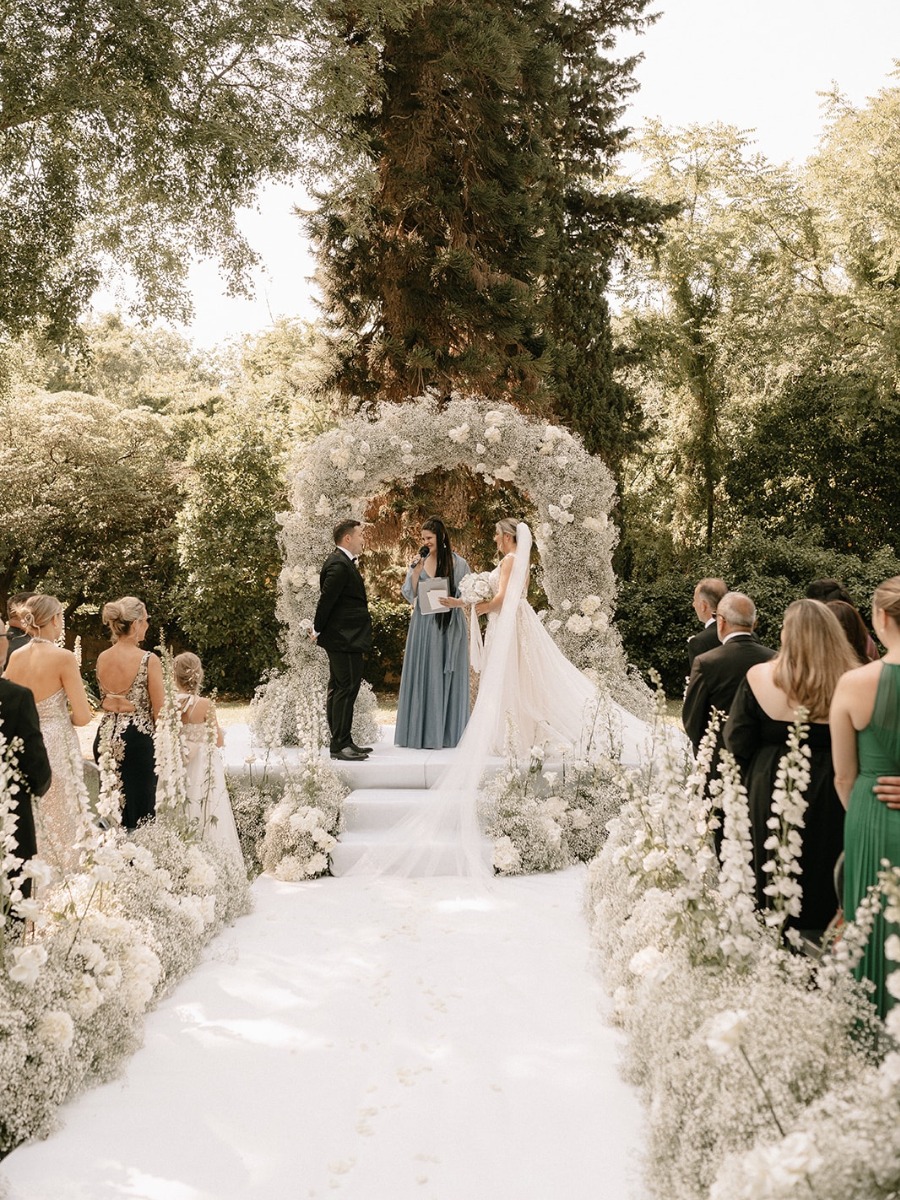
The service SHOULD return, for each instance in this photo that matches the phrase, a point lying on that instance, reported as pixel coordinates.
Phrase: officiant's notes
(431, 591)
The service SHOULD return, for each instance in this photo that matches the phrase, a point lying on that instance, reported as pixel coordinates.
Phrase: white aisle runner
(367, 1040)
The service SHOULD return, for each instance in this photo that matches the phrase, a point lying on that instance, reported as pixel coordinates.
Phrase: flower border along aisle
(390, 444)
(103, 944)
(766, 1072)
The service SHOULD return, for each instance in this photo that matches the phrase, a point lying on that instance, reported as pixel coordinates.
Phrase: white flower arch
(572, 491)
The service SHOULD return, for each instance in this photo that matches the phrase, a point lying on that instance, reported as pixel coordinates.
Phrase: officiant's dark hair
(444, 560)
(343, 528)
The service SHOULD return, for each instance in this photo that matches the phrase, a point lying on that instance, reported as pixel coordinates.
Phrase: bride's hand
(482, 607)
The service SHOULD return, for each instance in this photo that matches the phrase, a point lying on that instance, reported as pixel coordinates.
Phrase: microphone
(423, 552)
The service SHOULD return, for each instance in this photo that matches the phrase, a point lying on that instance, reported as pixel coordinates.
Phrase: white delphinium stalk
(739, 922)
(110, 801)
(786, 842)
(10, 783)
(846, 951)
(171, 791)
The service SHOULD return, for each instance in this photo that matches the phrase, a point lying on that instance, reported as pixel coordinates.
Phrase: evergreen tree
(471, 247)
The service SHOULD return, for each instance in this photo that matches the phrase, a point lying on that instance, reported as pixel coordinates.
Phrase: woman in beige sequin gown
(54, 679)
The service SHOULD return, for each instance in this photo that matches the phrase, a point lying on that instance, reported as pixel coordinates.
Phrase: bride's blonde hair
(507, 525)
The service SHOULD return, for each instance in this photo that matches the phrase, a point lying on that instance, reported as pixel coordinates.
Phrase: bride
(530, 693)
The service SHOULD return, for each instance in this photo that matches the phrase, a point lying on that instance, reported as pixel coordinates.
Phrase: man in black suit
(19, 719)
(707, 595)
(15, 630)
(343, 628)
(717, 674)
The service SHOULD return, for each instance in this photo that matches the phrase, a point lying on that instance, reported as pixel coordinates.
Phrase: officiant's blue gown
(433, 707)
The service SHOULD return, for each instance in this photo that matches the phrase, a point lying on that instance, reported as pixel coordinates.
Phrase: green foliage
(390, 625)
(824, 451)
(474, 217)
(89, 500)
(228, 548)
(132, 133)
(655, 619)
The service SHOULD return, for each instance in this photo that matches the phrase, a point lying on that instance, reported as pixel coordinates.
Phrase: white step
(381, 848)
(381, 808)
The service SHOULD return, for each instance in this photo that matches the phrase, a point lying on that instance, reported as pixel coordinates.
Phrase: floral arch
(572, 491)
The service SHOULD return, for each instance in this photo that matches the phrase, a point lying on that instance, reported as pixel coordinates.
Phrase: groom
(343, 628)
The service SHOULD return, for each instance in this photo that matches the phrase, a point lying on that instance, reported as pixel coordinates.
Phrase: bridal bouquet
(476, 587)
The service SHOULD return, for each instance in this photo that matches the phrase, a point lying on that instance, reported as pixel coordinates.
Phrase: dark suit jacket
(19, 719)
(715, 678)
(699, 643)
(342, 618)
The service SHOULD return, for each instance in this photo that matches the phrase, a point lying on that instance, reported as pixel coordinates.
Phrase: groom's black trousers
(345, 673)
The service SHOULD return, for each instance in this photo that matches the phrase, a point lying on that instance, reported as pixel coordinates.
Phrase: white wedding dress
(208, 801)
(529, 687)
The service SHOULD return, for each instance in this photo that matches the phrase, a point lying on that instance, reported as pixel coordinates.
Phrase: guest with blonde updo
(52, 675)
(131, 691)
(207, 794)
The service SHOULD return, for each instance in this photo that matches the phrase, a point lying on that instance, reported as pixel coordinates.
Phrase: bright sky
(756, 66)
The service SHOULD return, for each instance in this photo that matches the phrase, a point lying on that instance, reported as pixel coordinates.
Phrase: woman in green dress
(865, 740)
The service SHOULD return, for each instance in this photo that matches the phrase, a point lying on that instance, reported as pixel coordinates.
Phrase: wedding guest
(131, 693)
(854, 629)
(707, 595)
(832, 589)
(19, 719)
(207, 793)
(54, 679)
(865, 731)
(343, 628)
(18, 636)
(813, 655)
(433, 706)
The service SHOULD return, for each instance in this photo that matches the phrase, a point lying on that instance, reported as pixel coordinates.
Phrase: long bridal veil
(442, 836)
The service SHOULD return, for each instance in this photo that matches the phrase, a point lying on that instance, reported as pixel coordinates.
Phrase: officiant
(433, 707)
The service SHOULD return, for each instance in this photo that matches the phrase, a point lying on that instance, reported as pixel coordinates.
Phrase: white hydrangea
(55, 1028)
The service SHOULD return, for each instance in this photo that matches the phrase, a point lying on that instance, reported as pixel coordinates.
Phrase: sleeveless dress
(545, 700)
(56, 813)
(759, 742)
(433, 705)
(131, 740)
(872, 830)
(207, 793)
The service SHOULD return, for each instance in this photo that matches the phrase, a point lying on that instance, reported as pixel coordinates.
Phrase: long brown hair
(814, 655)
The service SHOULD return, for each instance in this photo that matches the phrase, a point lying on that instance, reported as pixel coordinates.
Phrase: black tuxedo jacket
(699, 643)
(342, 618)
(715, 678)
(19, 719)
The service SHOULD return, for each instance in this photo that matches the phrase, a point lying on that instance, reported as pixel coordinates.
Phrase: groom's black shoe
(360, 749)
(349, 754)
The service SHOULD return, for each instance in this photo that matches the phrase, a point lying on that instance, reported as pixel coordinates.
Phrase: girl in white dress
(54, 679)
(206, 790)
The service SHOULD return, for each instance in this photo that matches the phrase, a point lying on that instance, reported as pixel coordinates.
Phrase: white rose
(566, 500)
(578, 624)
(459, 434)
(364, 448)
(590, 604)
(317, 865)
(27, 963)
(492, 434)
(496, 416)
(726, 1031)
(56, 1028)
(479, 448)
(600, 621)
(554, 625)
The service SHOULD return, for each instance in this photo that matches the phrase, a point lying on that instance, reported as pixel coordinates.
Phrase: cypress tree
(470, 246)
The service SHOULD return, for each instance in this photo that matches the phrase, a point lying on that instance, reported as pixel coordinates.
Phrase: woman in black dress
(814, 654)
(131, 693)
